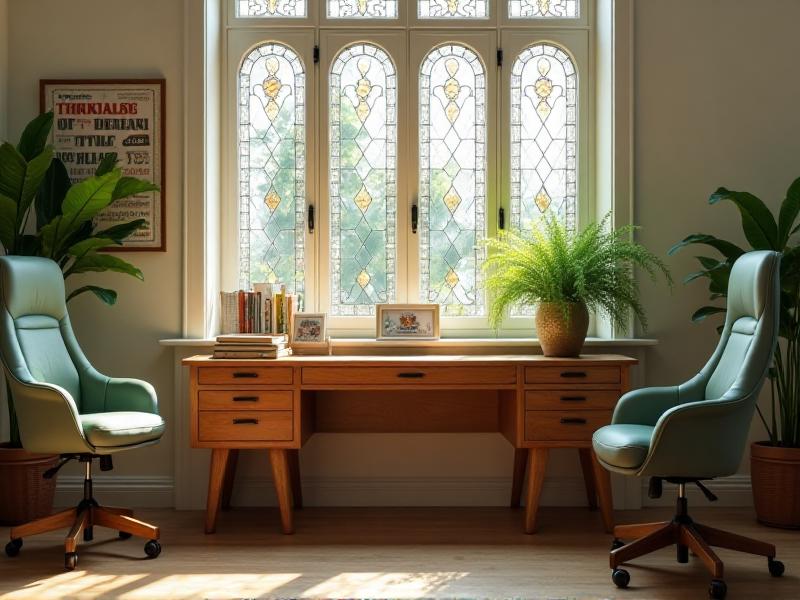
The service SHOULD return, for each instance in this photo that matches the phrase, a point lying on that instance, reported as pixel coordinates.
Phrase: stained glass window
(271, 167)
(453, 9)
(543, 9)
(452, 195)
(363, 179)
(362, 9)
(271, 8)
(543, 135)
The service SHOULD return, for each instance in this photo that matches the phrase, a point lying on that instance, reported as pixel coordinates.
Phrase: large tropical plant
(552, 264)
(42, 213)
(762, 232)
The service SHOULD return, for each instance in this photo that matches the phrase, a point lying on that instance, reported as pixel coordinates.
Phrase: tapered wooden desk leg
(537, 463)
(230, 477)
(294, 474)
(520, 464)
(216, 478)
(283, 489)
(587, 467)
(602, 479)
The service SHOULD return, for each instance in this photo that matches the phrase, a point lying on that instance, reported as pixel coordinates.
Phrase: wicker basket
(562, 333)
(25, 494)
(775, 476)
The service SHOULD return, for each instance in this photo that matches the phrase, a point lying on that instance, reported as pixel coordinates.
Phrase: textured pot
(775, 476)
(562, 333)
(25, 494)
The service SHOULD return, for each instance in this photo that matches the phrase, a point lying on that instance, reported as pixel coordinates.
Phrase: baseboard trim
(119, 490)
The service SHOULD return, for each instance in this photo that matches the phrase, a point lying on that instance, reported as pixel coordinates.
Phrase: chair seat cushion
(623, 446)
(115, 429)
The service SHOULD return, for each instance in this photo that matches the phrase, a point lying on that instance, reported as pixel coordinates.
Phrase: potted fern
(42, 213)
(775, 462)
(567, 275)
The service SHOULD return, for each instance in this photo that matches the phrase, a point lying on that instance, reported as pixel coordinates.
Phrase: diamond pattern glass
(362, 9)
(271, 8)
(544, 9)
(363, 179)
(272, 160)
(453, 9)
(452, 194)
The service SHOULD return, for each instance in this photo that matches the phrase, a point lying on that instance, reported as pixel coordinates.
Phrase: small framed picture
(407, 321)
(309, 328)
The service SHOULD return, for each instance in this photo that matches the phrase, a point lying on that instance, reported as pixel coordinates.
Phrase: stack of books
(268, 308)
(252, 346)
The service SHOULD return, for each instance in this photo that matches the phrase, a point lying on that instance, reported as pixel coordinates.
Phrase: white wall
(3, 67)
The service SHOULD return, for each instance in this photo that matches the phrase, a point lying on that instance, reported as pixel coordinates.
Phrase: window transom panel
(271, 8)
(453, 9)
(543, 9)
(362, 9)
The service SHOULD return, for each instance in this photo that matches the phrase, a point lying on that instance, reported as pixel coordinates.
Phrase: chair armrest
(48, 419)
(123, 394)
(645, 406)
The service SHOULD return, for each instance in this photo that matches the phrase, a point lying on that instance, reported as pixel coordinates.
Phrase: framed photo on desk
(407, 321)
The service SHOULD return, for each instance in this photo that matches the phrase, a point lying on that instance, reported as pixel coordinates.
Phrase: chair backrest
(36, 339)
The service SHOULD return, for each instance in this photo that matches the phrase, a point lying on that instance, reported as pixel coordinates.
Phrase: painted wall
(3, 67)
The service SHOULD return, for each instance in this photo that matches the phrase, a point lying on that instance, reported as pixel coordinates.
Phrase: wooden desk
(537, 403)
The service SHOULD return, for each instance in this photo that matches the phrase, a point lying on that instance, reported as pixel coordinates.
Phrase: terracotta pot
(25, 494)
(775, 476)
(562, 333)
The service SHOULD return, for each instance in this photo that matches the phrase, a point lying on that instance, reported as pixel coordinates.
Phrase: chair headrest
(31, 285)
(750, 283)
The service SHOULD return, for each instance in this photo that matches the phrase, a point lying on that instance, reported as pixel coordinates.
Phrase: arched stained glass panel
(544, 9)
(363, 179)
(362, 9)
(544, 88)
(271, 8)
(271, 167)
(453, 9)
(452, 189)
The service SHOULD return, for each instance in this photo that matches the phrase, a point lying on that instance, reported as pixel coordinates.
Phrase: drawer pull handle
(411, 375)
(573, 421)
(573, 398)
(245, 421)
(245, 375)
(245, 398)
(573, 374)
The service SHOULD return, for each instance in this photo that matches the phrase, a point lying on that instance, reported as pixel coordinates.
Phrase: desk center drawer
(410, 375)
(244, 375)
(245, 400)
(566, 426)
(245, 426)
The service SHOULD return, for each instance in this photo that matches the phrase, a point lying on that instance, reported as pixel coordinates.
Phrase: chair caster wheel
(621, 578)
(616, 544)
(776, 567)
(124, 535)
(718, 589)
(152, 549)
(70, 560)
(13, 547)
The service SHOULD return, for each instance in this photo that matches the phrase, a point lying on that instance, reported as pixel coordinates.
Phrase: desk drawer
(246, 426)
(571, 399)
(245, 375)
(564, 426)
(576, 375)
(410, 375)
(245, 400)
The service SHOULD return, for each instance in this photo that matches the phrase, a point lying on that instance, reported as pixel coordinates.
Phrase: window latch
(310, 218)
(414, 218)
(501, 218)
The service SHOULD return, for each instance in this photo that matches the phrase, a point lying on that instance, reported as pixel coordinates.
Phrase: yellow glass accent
(272, 200)
(363, 199)
(451, 64)
(452, 6)
(362, 9)
(542, 200)
(362, 111)
(452, 111)
(544, 66)
(451, 199)
(544, 6)
(451, 89)
(363, 279)
(543, 108)
(272, 6)
(543, 87)
(272, 110)
(451, 279)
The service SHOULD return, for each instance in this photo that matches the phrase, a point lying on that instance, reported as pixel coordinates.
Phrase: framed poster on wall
(93, 117)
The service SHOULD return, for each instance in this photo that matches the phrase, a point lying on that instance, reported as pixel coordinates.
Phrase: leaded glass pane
(543, 136)
(452, 195)
(362, 9)
(270, 8)
(271, 167)
(544, 9)
(363, 179)
(453, 9)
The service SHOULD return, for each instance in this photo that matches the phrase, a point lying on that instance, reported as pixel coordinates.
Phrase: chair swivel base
(686, 535)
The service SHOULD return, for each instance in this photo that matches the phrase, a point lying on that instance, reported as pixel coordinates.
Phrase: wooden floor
(389, 553)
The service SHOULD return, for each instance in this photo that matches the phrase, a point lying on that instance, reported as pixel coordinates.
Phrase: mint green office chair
(698, 430)
(63, 405)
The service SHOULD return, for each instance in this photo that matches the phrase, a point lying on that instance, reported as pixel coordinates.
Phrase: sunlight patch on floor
(72, 584)
(211, 585)
(396, 585)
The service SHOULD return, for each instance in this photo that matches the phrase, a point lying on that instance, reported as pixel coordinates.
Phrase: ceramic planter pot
(775, 476)
(562, 333)
(25, 494)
